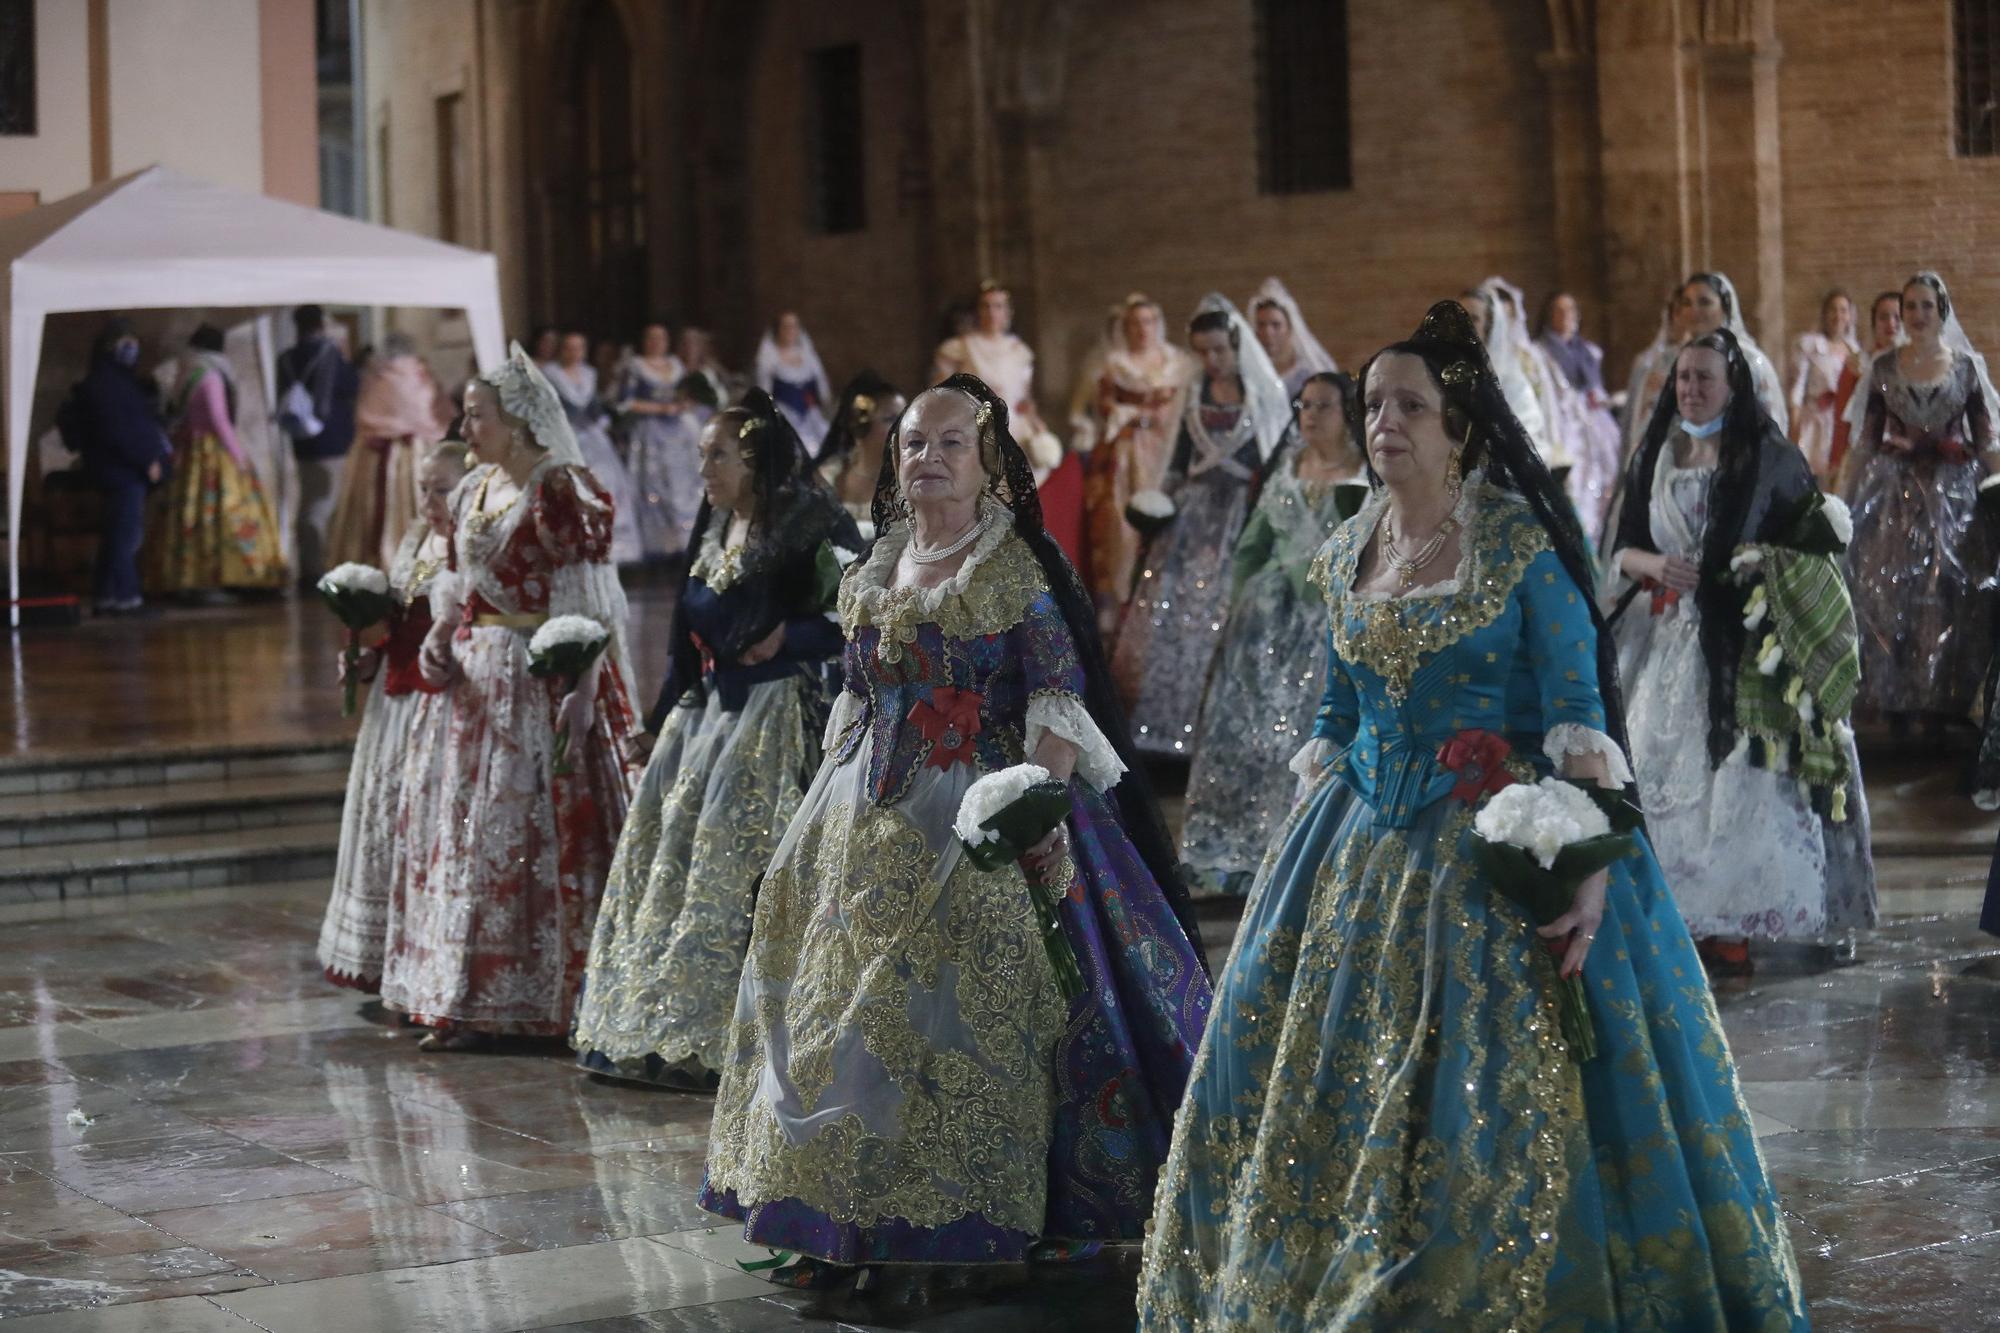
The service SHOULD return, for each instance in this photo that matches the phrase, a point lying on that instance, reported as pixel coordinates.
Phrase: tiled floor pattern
(197, 1135)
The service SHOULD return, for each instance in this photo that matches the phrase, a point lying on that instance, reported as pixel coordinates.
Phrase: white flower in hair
(1840, 519)
(561, 631)
(352, 577)
(990, 795)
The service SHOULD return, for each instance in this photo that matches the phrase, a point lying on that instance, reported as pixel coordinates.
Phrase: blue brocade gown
(1384, 1129)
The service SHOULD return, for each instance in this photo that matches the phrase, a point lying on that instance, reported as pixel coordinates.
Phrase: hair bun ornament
(1448, 322)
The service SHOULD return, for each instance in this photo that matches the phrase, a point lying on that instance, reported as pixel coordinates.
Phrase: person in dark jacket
(126, 453)
(319, 421)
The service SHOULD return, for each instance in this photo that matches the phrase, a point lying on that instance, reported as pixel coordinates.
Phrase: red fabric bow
(948, 719)
(707, 654)
(1663, 596)
(1480, 760)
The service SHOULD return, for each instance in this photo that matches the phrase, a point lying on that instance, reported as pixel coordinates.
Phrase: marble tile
(65, 1282)
(584, 1214)
(1859, 1104)
(48, 1043)
(518, 1291)
(231, 1023)
(44, 1221)
(42, 1119)
(198, 1166)
(304, 1237)
(178, 1314)
(1948, 1286)
(428, 1174)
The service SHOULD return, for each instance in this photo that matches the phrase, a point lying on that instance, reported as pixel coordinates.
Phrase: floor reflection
(190, 1119)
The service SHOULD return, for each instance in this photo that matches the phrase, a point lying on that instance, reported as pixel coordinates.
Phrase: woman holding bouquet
(1385, 1129)
(903, 1082)
(728, 750)
(1760, 648)
(509, 848)
(356, 926)
(1267, 681)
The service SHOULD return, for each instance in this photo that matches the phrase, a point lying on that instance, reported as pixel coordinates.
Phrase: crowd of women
(1359, 605)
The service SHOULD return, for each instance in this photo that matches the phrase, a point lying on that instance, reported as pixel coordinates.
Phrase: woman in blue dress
(1385, 1129)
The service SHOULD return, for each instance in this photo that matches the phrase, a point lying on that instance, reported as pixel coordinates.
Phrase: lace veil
(1312, 354)
(770, 361)
(526, 394)
(1263, 392)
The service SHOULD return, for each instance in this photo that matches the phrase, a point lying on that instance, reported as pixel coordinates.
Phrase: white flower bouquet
(360, 596)
(564, 648)
(1537, 843)
(1000, 817)
(1150, 511)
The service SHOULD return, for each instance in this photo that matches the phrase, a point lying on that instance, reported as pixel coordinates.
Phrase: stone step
(109, 814)
(32, 774)
(134, 866)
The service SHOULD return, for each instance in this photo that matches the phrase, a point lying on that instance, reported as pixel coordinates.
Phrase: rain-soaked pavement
(198, 1135)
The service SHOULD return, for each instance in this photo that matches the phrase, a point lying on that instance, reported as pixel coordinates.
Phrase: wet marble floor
(197, 1135)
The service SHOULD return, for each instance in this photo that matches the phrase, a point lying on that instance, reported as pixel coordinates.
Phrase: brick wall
(1157, 168)
(861, 295)
(1873, 190)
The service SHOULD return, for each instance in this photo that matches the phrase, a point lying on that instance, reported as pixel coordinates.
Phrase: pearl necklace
(1407, 567)
(946, 552)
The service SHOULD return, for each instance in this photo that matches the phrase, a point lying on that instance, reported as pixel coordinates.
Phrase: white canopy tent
(158, 240)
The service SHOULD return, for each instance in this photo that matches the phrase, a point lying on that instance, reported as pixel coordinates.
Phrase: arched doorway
(594, 245)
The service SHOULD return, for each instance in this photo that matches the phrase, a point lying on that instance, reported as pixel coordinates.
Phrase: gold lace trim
(717, 565)
(990, 594)
(1328, 1163)
(851, 935)
(1393, 637)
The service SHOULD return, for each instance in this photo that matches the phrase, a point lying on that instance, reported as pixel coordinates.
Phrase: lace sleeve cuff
(1311, 758)
(446, 595)
(1568, 738)
(847, 710)
(1064, 714)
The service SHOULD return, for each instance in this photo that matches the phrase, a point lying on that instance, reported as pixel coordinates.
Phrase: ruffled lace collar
(989, 593)
(872, 578)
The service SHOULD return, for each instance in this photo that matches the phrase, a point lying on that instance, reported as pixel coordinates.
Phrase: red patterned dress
(508, 860)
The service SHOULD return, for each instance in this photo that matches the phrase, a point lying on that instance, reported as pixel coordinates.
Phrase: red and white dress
(507, 860)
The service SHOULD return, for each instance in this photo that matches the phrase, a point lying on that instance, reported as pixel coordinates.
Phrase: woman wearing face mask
(1267, 680)
(903, 1082)
(1720, 750)
(728, 751)
(1172, 628)
(1923, 559)
(398, 711)
(1385, 1129)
